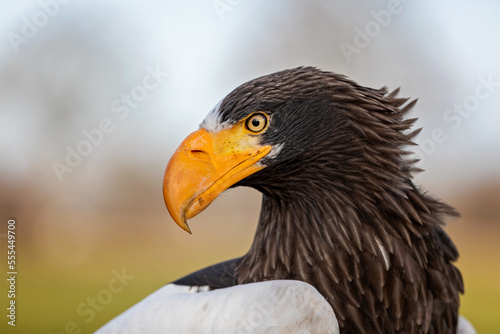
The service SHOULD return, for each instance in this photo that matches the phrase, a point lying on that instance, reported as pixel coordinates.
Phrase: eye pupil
(255, 122)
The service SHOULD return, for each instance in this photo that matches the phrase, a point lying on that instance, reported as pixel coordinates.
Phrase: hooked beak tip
(185, 226)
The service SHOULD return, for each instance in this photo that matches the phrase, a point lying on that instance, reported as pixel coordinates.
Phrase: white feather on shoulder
(281, 306)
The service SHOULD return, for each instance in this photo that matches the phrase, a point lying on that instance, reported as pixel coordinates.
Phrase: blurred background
(96, 95)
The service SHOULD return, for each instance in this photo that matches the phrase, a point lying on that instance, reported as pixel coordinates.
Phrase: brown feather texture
(339, 208)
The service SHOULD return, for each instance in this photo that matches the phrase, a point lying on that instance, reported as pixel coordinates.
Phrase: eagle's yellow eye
(257, 122)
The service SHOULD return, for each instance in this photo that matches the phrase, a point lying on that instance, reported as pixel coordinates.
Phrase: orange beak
(206, 164)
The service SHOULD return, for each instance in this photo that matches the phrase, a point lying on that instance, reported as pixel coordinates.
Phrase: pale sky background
(64, 79)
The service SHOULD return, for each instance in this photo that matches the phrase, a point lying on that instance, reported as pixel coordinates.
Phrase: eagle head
(290, 130)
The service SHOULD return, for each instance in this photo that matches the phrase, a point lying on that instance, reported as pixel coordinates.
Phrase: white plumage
(464, 326)
(265, 307)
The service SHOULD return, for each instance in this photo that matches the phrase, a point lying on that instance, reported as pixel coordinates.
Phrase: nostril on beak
(198, 155)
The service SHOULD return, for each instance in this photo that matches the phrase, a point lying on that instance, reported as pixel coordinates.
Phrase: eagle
(340, 213)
